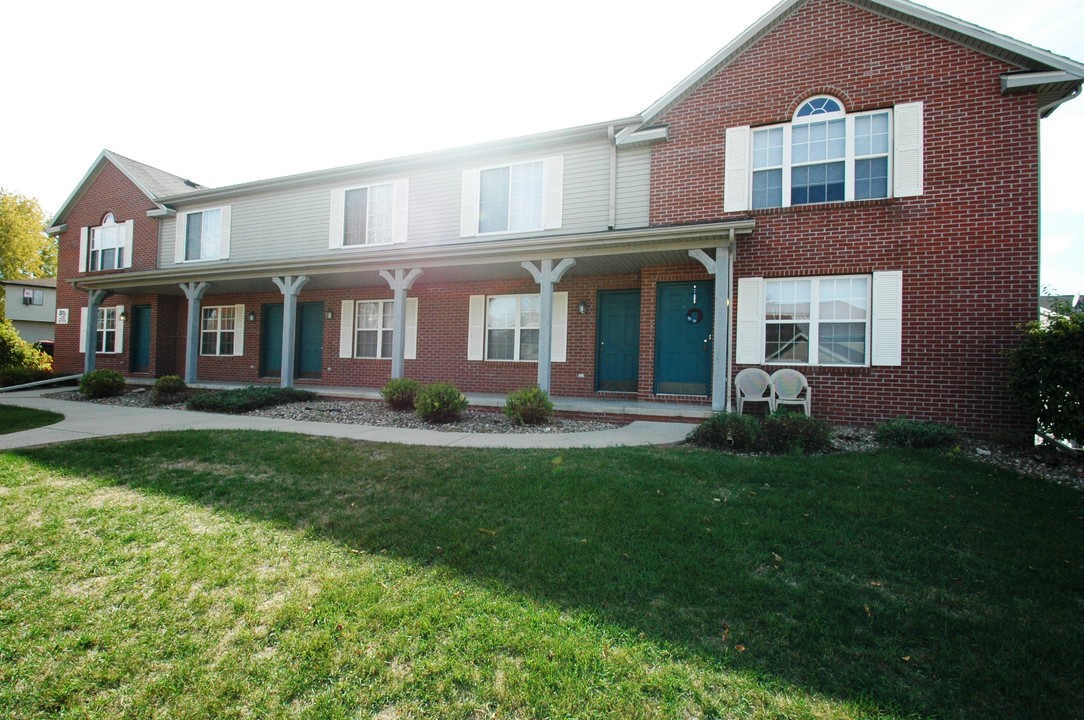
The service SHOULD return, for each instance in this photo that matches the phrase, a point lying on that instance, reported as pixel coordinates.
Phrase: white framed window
(107, 330)
(845, 320)
(513, 198)
(825, 155)
(373, 331)
(203, 235)
(109, 326)
(512, 323)
(218, 330)
(367, 215)
(107, 246)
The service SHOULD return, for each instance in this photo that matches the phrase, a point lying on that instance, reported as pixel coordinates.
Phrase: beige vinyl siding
(633, 188)
(434, 205)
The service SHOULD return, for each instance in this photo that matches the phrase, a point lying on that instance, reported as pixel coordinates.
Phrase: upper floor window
(33, 296)
(519, 197)
(106, 247)
(203, 235)
(369, 215)
(825, 155)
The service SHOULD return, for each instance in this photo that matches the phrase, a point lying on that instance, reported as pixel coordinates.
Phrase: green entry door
(683, 343)
(618, 341)
(139, 354)
(308, 344)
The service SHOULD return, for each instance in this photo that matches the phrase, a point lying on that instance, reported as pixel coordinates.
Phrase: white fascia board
(161, 212)
(1025, 81)
(56, 229)
(647, 135)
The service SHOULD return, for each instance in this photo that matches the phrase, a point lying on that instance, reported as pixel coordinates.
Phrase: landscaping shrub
(907, 433)
(168, 389)
(247, 399)
(440, 403)
(101, 384)
(529, 406)
(400, 393)
(20, 361)
(19, 375)
(785, 432)
(727, 431)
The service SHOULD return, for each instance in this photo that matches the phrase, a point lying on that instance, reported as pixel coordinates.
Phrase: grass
(240, 574)
(15, 419)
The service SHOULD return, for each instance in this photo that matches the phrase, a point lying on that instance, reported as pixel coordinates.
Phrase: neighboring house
(30, 305)
(830, 192)
(1049, 305)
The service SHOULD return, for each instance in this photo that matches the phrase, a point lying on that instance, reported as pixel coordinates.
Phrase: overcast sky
(225, 92)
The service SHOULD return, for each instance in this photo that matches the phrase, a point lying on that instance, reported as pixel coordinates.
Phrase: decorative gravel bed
(1040, 461)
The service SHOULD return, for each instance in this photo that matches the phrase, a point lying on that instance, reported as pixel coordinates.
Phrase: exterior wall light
(251, 316)
(583, 307)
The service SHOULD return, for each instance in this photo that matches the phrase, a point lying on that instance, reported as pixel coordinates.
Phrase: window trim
(238, 330)
(518, 327)
(123, 247)
(399, 210)
(552, 197)
(378, 330)
(118, 328)
(102, 332)
(181, 235)
(815, 320)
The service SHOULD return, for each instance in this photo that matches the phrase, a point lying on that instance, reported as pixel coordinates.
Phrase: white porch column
(290, 286)
(546, 276)
(399, 283)
(90, 337)
(720, 358)
(194, 291)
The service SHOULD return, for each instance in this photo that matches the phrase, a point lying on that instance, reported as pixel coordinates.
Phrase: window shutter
(749, 345)
(887, 332)
(553, 180)
(84, 244)
(736, 178)
(559, 323)
(338, 212)
(468, 218)
(82, 329)
(129, 234)
(400, 217)
(224, 247)
(346, 329)
(238, 330)
(476, 323)
(120, 328)
(907, 141)
(178, 242)
(411, 350)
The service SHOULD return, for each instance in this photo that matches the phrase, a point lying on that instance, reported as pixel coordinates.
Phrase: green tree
(26, 251)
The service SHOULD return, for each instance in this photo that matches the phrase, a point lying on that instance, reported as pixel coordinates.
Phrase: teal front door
(683, 342)
(139, 355)
(308, 340)
(618, 341)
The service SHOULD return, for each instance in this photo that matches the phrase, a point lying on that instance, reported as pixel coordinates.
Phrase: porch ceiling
(611, 253)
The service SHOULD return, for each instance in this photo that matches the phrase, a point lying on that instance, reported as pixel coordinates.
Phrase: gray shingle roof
(158, 182)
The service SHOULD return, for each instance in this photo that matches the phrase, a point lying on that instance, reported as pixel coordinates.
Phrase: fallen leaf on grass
(739, 648)
(487, 531)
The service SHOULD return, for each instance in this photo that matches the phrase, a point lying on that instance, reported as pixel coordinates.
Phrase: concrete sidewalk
(84, 420)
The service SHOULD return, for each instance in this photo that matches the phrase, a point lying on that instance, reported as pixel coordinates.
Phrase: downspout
(613, 176)
(730, 314)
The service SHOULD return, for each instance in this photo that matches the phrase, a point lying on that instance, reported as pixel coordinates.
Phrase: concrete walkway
(88, 420)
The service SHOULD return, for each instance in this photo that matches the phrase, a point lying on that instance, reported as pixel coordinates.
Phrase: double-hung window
(106, 247)
(218, 330)
(519, 197)
(363, 216)
(817, 321)
(203, 235)
(512, 323)
(373, 334)
(825, 155)
(107, 330)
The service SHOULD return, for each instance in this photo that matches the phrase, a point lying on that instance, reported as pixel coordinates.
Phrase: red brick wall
(968, 247)
(110, 191)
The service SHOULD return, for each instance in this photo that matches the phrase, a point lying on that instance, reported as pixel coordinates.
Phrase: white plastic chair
(789, 387)
(752, 385)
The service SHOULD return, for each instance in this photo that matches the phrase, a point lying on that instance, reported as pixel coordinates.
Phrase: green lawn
(250, 575)
(14, 418)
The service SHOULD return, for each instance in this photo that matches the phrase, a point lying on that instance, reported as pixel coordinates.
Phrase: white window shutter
(468, 218)
(736, 177)
(476, 324)
(120, 328)
(553, 188)
(238, 330)
(559, 339)
(887, 332)
(224, 247)
(129, 243)
(399, 216)
(749, 345)
(84, 242)
(346, 329)
(338, 212)
(82, 329)
(410, 352)
(179, 237)
(907, 142)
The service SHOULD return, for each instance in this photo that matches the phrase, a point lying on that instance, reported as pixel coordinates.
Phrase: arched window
(822, 105)
(107, 245)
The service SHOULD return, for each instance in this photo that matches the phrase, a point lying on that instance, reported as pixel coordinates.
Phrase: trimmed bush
(19, 375)
(20, 362)
(247, 399)
(907, 433)
(727, 431)
(400, 393)
(529, 406)
(440, 403)
(168, 389)
(101, 384)
(789, 432)
(1046, 373)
